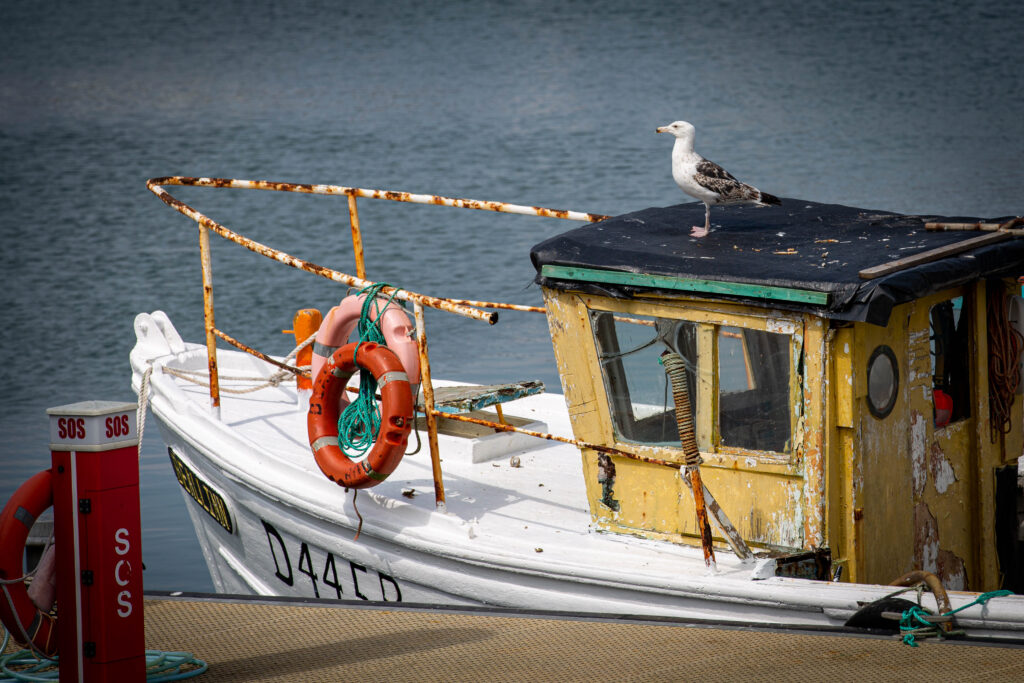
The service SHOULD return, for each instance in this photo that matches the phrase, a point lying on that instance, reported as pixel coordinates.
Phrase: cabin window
(883, 381)
(638, 389)
(742, 376)
(753, 389)
(950, 352)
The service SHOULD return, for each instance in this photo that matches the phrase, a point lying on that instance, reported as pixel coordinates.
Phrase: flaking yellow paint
(886, 495)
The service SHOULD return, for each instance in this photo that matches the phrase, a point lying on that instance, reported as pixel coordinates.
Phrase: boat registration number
(333, 575)
(201, 492)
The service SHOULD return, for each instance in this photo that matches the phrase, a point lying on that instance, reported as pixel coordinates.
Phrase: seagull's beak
(661, 129)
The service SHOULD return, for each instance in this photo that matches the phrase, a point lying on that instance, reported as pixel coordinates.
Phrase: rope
(33, 651)
(419, 443)
(192, 375)
(359, 423)
(981, 600)
(359, 529)
(140, 414)
(1004, 348)
(29, 664)
(10, 602)
(914, 622)
(23, 665)
(271, 381)
(309, 340)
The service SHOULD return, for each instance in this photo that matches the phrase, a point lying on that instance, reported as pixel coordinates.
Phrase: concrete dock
(246, 639)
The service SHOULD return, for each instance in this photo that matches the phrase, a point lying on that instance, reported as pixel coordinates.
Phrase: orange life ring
(395, 423)
(341, 320)
(22, 618)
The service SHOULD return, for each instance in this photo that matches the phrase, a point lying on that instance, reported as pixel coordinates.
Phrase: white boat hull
(510, 536)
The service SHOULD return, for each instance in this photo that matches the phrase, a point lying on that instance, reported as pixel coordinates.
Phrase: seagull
(706, 180)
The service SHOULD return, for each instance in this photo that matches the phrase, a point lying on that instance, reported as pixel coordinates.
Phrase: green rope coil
(913, 622)
(24, 665)
(359, 423)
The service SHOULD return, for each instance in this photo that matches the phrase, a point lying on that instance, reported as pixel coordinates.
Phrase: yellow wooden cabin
(853, 377)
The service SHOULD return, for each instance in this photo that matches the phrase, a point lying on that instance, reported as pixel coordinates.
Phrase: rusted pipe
(309, 267)
(262, 356)
(675, 368)
(697, 487)
(428, 405)
(739, 546)
(934, 584)
(633, 321)
(208, 321)
(504, 427)
(437, 200)
(492, 304)
(357, 237)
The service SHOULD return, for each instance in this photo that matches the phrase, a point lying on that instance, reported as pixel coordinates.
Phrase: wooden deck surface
(271, 641)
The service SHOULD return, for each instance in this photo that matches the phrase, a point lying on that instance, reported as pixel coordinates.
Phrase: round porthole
(883, 381)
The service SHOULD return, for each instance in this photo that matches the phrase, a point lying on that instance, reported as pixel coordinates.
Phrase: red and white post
(98, 534)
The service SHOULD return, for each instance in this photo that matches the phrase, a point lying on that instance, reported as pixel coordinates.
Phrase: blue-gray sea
(910, 106)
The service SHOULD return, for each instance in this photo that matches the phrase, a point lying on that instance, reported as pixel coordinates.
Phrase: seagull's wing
(713, 177)
(711, 170)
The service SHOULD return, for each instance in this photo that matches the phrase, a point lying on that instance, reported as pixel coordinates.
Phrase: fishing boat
(786, 422)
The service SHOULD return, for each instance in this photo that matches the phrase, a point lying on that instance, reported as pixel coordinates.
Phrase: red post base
(98, 534)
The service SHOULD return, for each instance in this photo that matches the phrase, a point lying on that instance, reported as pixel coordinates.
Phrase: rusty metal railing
(469, 309)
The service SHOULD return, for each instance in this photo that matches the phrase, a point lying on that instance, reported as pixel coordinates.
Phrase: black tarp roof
(799, 245)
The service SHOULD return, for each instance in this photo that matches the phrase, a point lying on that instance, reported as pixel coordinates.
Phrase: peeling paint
(787, 524)
(918, 435)
(919, 336)
(606, 477)
(926, 539)
(946, 565)
(943, 475)
(951, 571)
(780, 326)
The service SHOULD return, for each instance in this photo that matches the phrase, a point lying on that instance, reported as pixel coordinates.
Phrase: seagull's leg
(699, 231)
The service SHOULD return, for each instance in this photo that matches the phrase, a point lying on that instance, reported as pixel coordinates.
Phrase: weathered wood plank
(1010, 225)
(932, 255)
(465, 399)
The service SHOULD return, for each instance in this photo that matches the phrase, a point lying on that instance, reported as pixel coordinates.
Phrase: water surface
(905, 107)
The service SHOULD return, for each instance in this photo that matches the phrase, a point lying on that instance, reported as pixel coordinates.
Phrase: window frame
(709, 321)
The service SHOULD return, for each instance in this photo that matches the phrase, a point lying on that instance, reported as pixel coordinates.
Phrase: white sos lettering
(121, 547)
